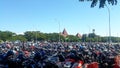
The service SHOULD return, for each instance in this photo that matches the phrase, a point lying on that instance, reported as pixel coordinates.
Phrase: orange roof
(78, 35)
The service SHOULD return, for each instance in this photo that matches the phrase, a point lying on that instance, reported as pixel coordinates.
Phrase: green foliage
(18, 37)
(104, 39)
(53, 37)
(29, 35)
(113, 39)
(84, 37)
(72, 38)
(91, 35)
(1, 41)
(34, 35)
(101, 2)
(5, 35)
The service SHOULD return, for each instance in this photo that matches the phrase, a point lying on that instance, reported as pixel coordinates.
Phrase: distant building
(64, 33)
(93, 30)
(78, 35)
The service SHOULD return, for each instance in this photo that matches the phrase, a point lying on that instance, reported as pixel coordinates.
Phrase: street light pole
(59, 31)
(109, 25)
(36, 36)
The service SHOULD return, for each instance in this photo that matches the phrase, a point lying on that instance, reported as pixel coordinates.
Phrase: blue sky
(45, 15)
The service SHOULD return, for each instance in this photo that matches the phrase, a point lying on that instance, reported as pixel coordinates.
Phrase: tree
(72, 38)
(54, 37)
(18, 37)
(35, 35)
(40, 36)
(84, 37)
(29, 35)
(5, 35)
(1, 41)
(101, 2)
(91, 35)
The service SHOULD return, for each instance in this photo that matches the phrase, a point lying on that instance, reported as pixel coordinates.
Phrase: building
(64, 33)
(78, 35)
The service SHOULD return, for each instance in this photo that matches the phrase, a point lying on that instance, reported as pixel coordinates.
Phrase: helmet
(10, 53)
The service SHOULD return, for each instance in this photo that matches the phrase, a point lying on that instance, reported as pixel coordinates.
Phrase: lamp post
(59, 31)
(36, 36)
(109, 24)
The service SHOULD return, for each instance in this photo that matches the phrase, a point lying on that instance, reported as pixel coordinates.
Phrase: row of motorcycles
(40, 59)
(55, 56)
